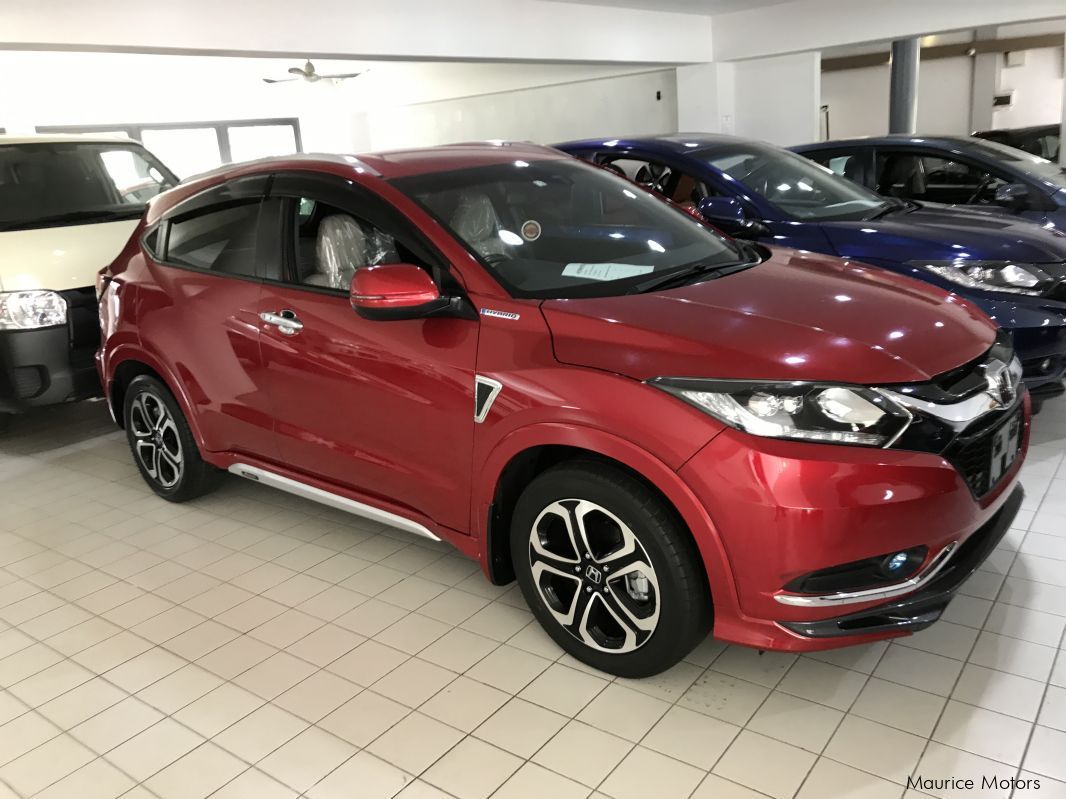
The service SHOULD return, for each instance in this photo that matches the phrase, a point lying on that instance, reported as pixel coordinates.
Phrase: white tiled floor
(253, 645)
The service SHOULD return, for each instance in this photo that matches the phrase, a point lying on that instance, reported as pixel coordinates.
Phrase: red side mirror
(394, 291)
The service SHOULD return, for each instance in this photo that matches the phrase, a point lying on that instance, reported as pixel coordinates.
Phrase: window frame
(135, 130)
(366, 206)
(925, 152)
(246, 189)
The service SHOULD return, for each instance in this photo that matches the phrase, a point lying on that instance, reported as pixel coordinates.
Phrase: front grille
(972, 454)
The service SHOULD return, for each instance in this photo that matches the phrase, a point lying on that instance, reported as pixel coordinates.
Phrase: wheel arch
(529, 451)
(124, 367)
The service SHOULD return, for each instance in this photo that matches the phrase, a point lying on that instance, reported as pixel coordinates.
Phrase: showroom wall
(392, 104)
(776, 99)
(1037, 85)
(858, 98)
(642, 103)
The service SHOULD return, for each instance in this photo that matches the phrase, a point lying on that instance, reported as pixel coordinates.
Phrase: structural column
(903, 95)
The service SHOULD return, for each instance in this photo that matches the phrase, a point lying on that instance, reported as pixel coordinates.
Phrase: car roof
(891, 138)
(1026, 130)
(395, 163)
(65, 138)
(671, 142)
(384, 165)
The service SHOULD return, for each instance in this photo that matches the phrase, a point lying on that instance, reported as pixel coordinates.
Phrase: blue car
(1011, 268)
(953, 170)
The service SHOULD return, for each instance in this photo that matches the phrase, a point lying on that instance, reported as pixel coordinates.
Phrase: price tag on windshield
(605, 271)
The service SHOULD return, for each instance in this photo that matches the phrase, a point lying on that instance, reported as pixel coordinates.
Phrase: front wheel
(608, 569)
(162, 443)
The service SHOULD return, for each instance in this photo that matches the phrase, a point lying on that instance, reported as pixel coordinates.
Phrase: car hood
(942, 232)
(796, 316)
(60, 258)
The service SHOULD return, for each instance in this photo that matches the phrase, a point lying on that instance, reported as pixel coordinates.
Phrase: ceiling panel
(683, 6)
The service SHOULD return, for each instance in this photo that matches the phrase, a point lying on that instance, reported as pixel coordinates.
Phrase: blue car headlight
(1008, 276)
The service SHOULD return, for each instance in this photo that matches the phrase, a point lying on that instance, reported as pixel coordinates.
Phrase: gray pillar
(903, 95)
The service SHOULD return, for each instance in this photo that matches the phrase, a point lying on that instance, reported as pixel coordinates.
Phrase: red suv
(657, 430)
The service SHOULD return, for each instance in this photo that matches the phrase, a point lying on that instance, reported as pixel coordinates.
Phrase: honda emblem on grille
(1000, 385)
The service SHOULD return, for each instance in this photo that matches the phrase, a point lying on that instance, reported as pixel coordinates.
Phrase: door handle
(285, 321)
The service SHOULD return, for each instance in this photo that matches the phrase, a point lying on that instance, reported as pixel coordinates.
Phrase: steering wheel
(654, 177)
(986, 181)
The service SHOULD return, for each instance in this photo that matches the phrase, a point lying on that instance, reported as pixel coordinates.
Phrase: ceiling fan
(307, 73)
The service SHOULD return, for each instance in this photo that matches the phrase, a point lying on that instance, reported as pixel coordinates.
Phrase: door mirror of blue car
(1012, 195)
(728, 215)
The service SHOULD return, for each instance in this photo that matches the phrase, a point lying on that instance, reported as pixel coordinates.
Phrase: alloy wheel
(156, 440)
(594, 576)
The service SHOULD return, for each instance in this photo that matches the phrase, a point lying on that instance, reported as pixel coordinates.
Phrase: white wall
(706, 98)
(605, 106)
(776, 99)
(393, 104)
(1037, 87)
(858, 98)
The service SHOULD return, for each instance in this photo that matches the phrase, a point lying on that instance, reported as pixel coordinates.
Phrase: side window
(330, 244)
(222, 239)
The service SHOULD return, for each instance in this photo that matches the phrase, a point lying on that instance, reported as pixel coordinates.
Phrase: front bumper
(922, 607)
(780, 510)
(52, 364)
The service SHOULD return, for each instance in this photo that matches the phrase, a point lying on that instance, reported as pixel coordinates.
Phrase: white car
(68, 205)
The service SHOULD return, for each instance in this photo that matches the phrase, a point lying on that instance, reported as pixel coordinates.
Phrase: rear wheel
(162, 443)
(608, 569)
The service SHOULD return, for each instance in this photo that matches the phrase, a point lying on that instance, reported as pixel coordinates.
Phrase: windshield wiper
(890, 206)
(96, 215)
(686, 274)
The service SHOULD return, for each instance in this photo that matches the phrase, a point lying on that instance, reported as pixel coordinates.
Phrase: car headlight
(824, 412)
(991, 275)
(26, 310)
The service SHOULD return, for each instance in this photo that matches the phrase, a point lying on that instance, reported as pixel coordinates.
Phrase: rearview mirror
(728, 215)
(395, 291)
(1012, 195)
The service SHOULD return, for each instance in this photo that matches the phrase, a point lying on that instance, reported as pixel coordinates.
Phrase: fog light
(894, 564)
(1045, 365)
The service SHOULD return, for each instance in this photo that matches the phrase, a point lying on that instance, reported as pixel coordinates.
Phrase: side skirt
(273, 480)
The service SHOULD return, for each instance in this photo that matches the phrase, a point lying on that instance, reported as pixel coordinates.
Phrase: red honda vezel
(656, 430)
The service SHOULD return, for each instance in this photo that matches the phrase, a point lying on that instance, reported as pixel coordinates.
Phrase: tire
(162, 444)
(641, 619)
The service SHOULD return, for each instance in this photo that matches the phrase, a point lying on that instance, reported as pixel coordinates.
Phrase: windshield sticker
(605, 271)
(531, 230)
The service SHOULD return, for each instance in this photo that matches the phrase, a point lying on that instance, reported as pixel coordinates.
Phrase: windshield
(562, 228)
(1039, 168)
(800, 189)
(52, 184)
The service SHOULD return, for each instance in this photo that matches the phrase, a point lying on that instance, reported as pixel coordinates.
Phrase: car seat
(855, 170)
(903, 177)
(339, 250)
(475, 221)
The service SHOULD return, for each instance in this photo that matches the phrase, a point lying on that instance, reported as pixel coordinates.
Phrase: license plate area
(1006, 441)
(986, 457)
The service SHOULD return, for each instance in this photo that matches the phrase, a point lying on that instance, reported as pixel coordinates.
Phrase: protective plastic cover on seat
(476, 222)
(341, 248)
